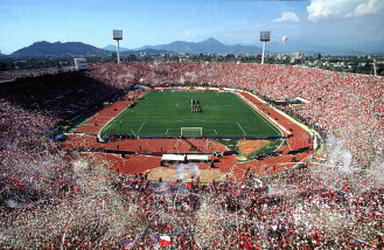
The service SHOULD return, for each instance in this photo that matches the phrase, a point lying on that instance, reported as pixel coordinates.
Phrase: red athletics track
(96, 122)
(156, 146)
(140, 161)
(299, 139)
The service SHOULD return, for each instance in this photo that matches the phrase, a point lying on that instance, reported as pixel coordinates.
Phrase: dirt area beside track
(246, 147)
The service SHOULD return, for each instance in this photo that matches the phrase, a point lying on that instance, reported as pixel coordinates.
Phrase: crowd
(287, 211)
(26, 73)
(308, 207)
(63, 96)
(32, 112)
(291, 210)
(349, 106)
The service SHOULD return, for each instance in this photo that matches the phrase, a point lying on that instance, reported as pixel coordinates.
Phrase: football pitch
(164, 113)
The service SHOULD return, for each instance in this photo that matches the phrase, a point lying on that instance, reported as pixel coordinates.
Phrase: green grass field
(164, 113)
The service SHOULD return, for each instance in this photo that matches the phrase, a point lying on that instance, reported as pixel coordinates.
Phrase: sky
(346, 23)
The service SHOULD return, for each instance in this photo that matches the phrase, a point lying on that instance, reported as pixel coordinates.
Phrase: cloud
(320, 9)
(287, 17)
(367, 7)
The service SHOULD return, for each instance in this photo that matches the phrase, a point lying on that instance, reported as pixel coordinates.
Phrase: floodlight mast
(374, 68)
(118, 51)
(263, 53)
(265, 36)
(118, 35)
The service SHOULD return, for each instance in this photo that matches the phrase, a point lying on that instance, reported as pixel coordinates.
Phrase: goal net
(191, 131)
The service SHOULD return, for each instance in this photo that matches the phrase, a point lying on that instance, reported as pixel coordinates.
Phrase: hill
(152, 52)
(147, 51)
(213, 46)
(43, 49)
(113, 48)
(210, 45)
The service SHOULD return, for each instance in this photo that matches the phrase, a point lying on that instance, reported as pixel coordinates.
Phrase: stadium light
(374, 68)
(265, 36)
(118, 35)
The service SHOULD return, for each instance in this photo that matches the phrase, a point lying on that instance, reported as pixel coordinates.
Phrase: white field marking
(221, 105)
(133, 133)
(215, 132)
(200, 120)
(166, 132)
(109, 123)
(196, 120)
(241, 128)
(174, 134)
(255, 109)
(142, 125)
(172, 131)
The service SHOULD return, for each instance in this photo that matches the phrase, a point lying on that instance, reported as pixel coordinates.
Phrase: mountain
(2, 55)
(148, 51)
(210, 45)
(113, 48)
(371, 48)
(42, 49)
(126, 52)
(295, 46)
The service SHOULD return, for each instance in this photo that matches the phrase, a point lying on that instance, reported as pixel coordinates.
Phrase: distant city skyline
(335, 23)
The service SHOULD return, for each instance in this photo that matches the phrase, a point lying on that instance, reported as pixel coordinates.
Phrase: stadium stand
(291, 209)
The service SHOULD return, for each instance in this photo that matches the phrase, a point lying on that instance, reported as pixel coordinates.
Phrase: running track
(144, 154)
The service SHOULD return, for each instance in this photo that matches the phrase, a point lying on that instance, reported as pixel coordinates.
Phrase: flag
(165, 240)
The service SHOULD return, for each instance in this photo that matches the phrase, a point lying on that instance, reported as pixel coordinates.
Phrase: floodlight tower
(265, 36)
(118, 35)
(374, 67)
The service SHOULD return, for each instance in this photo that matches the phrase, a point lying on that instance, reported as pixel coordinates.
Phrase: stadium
(207, 155)
(165, 125)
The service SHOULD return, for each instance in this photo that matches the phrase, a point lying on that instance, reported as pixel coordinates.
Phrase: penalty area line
(238, 124)
(133, 132)
(142, 125)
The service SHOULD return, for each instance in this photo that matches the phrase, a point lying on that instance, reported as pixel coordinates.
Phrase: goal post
(191, 131)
